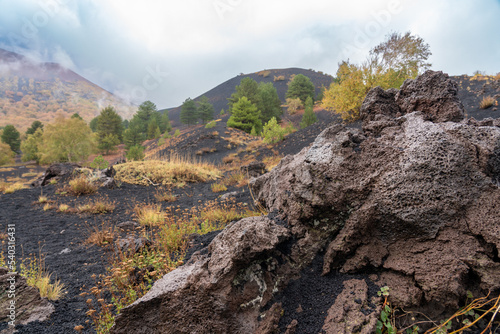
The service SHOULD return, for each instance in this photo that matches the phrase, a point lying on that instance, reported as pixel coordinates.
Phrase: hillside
(39, 91)
(279, 77)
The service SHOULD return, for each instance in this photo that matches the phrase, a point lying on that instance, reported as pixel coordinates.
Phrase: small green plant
(33, 269)
(210, 125)
(218, 187)
(386, 322)
(63, 208)
(177, 133)
(273, 132)
(99, 163)
(135, 153)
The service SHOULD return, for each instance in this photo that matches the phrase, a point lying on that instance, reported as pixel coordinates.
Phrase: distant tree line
(73, 140)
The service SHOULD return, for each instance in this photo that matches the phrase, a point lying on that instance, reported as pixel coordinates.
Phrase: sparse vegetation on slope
(175, 171)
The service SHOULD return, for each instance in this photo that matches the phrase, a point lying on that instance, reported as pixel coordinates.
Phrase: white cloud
(204, 42)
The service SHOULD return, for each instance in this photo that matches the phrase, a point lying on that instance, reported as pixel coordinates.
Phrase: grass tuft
(9, 189)
(487, 102)
(164, 195)
(101, 235)
(218, 187)
(149, 214)
(97, 206)
(81, 186)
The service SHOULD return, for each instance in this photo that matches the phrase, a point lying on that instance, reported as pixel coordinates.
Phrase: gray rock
(29, 306)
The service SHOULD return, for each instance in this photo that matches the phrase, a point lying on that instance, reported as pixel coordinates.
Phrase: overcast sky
(166, 51)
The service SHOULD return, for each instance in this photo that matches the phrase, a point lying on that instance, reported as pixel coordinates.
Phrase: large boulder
(411, 202)
(433, 93)
(218, 291)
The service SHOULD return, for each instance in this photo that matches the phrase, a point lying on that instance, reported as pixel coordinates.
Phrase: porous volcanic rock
(215, 292)
(420, 199)
(433, 93)
(411, 201)
(57, 172)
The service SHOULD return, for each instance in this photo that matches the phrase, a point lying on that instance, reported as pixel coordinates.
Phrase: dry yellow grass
(165, 195)
(10, 188)
(101, 235)
(218, 187)
(97, 206)
(171, 172)
(487, 102)
(149, 214)
(272, 161)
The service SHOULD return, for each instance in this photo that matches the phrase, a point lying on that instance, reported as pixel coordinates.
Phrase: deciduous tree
(66, 139)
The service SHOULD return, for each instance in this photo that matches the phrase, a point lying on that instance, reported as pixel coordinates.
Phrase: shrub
(100, 235)
(279, 78)
(309, 116)
(9, 189)
(487, 102)
(273, 132)
(6, 154)
(97, 206)
(293, 105)
(63, 208)
(99, 163)
(163, 195)
(135, 153)
(210, 125)
(34, 271)
(177, 133)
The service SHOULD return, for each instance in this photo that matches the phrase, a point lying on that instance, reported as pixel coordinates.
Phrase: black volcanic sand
(52, 232)
(309, 298)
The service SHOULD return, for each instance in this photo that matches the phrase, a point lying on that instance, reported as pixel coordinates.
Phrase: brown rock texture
(346, 315)
(218, 292)
(412, 200)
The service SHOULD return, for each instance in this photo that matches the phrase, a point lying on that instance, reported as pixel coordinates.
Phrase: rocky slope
(410, 201)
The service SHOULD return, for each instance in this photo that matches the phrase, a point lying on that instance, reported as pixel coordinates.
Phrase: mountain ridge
(31, 90)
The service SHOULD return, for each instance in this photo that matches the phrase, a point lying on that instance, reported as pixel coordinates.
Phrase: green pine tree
(309, 116)
(109, 122)
(11, 137)
(300, 87)
(245, 116)
(205, 110)
(34, 126)
(189, 112)
(269, 102)
(248, 88)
